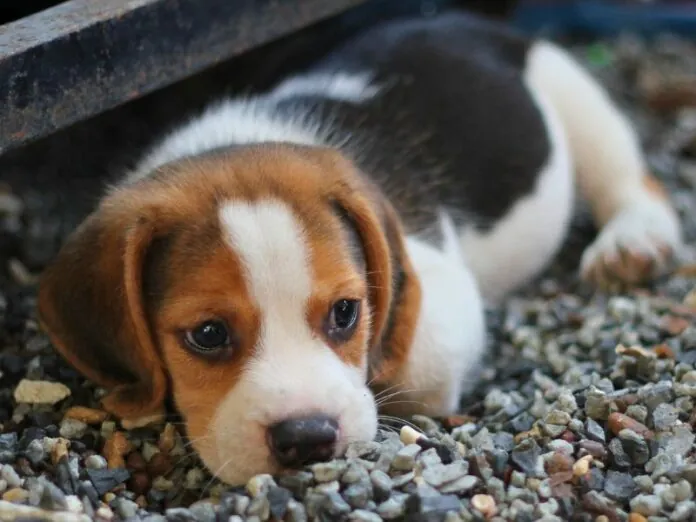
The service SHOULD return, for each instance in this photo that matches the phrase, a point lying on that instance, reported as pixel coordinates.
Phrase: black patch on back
(454, 125)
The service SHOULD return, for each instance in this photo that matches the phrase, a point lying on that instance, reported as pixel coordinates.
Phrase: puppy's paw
(636, 245)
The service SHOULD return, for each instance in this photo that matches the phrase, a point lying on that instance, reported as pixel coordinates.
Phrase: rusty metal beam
(83, 57)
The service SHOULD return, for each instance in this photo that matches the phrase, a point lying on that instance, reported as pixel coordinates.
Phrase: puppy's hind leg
(639, 229)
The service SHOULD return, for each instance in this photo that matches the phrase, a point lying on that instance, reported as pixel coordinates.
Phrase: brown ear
(91, 306)
(395, 292)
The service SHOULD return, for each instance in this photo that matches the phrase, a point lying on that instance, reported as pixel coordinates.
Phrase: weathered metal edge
(83, 57)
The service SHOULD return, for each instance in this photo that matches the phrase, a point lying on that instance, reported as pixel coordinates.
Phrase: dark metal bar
(83, 57)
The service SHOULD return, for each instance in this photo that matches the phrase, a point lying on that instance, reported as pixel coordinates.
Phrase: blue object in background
(605, 17)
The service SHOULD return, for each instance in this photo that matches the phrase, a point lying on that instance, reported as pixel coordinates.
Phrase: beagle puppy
(284, 266)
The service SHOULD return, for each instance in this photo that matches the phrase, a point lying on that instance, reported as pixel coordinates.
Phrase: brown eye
(342, 320)
(208, 337)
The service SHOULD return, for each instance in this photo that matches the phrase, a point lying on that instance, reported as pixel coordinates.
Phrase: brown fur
(177, 271)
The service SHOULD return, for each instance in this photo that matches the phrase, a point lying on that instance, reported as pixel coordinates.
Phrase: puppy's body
(421, 169)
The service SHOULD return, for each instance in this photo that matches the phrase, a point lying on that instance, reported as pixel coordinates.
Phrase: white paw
(637, 245)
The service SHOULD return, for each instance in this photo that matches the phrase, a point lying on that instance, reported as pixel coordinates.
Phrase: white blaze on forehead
(293, 372)
(272, 247)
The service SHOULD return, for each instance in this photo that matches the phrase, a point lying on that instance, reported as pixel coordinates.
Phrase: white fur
(609, 161)
(450, 333)
(255, 119)
(293, 372)
(522, 243)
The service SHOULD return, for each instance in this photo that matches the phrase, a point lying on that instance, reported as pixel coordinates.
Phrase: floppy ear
(394, 288)
(91, 306)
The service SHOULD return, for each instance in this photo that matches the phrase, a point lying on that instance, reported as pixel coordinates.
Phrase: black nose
(300, 441)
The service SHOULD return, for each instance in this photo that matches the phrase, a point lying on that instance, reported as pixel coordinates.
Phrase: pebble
(635, 447)
(405, 459)
(40, 392)
(485, 504)
(72, 428)
(665, 416)
(618, 485)
(646, 505)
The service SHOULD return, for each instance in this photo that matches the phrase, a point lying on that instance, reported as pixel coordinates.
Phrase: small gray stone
(621, 459)
(392, 508)
(637, 412)
(683, 511)
(329, 471)
(382, 484)
(504, 440)
(665, 416)
(644, 483)
(362, 515)
(678, 441)
(125, 508)
(72, 428)
(95, 462)
(635, 447)
(652, 395)
(561, 446)
(203, 511)
(179, 513)
(622, 308)
(461, 485)
(646, 505)
(619, 486)
(596, 404)
(405, 459)
(558, 417)
(35, 452)
(368, 450)
(436, 476)
(594, 431)
(358, 495)
(355, 472)
(661, 464)
(9, 475)
(526, 455)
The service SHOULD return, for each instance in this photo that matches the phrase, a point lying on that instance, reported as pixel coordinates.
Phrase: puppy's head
(254, 286)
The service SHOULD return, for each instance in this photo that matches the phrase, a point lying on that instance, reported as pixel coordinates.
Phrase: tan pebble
(410, 436)
(690, 299)
(618, 421)
(485, 504)
(167, 438)
(109, 497)
(16, 495)
(149, 450)
(635, 351)
(107, 429)
(461, 449)
(87, 415)
(59, 450)
(636, 517)
(602, 518)
(115, 448)
(104, 513)
(582, 466)
(162, 484)
(141, 501)
(40, 392)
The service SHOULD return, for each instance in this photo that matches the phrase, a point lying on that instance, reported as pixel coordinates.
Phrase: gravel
(585, 409)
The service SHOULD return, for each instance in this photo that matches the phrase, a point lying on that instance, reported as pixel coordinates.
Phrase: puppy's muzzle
(300, 441)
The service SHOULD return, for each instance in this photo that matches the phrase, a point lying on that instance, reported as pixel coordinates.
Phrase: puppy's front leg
(449, 339)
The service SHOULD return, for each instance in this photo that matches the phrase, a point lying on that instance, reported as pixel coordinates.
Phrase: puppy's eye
(209, 336)
(342, 319)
